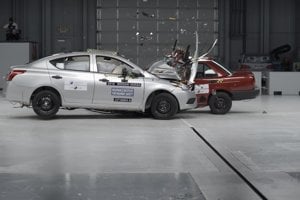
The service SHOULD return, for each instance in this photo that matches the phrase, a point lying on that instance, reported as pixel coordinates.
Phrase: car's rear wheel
(164, 106)
(220, 103)
(46, 104)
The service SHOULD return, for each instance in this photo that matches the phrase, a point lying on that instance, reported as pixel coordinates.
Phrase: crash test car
(214, 85)
(217, 87)
(95, 79)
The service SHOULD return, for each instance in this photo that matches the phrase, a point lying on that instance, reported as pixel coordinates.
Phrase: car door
(72, 77)
(114, 90)
(205, 81)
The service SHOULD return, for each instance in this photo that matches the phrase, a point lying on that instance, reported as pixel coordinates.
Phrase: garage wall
(56, 25)
(68, 25)
(269, 24)
(297, 35)
(282, 25)
(145, 30)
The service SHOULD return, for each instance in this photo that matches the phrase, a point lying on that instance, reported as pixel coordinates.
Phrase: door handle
(104, 80)
(57, 77)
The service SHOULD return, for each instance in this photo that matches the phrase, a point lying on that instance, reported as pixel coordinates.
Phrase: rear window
(74, 63)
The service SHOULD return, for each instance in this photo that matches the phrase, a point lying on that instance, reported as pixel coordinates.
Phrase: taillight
(14, 73)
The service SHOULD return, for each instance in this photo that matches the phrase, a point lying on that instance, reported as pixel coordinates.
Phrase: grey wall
(6, 10)
(297, 35)
(69, 25)
(56, 25)
(145, 30)
(269, 24)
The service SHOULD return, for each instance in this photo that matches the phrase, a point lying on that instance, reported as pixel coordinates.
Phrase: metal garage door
(145, 30)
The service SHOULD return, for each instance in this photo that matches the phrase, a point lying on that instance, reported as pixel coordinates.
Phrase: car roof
(88, 52)
(102, 52)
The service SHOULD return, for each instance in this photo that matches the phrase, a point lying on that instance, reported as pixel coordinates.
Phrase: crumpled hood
(164, 71)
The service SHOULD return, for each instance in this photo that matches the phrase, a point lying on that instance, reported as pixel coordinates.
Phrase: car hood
(164, 71)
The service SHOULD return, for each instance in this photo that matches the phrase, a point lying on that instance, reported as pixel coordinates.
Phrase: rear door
(114, 90)
(72, 77)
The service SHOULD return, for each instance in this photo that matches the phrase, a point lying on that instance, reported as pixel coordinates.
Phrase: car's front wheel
(46, 104)
(220, 103)
(164, 106)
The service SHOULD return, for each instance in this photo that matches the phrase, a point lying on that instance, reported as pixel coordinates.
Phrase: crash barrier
(283, 83)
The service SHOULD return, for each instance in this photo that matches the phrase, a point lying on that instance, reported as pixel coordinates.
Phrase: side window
(75, 63)
(204, 71)
(108, 65)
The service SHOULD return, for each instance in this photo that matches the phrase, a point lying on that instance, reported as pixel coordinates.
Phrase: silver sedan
(100, 80)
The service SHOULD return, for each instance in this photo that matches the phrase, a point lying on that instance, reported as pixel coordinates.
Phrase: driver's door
(205, 80)
(113, 88)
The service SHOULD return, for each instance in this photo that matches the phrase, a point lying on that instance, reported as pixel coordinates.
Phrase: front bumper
(245, 94)
(186, 99)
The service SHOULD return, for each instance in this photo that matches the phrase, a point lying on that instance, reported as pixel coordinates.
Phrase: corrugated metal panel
(145, 30)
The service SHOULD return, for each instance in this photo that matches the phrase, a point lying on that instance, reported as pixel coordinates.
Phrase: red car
(213, 84)
(218, 87)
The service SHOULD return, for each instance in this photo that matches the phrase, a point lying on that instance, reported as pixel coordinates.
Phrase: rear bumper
(245, 94)
(17, 94)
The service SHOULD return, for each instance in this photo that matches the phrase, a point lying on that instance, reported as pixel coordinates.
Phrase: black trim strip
(230, 165)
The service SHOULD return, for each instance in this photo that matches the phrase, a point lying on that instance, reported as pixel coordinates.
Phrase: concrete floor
(86, 155)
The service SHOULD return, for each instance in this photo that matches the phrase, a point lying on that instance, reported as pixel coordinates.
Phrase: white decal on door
(75, 85)
(124, 92)
(202, 89)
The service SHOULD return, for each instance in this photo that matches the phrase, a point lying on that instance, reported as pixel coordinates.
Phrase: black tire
(46, 104)
(164, 106)
(220, 103)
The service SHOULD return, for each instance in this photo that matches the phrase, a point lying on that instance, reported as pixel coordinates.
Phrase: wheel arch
(45, 88)
(156, 92)
(220, 106)
(221, 90)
